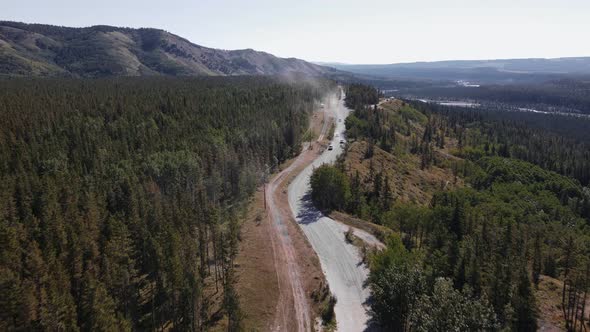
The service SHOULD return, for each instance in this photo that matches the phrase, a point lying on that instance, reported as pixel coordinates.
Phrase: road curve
(341, 262)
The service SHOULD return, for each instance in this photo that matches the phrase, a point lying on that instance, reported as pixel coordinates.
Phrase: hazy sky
(351, 31)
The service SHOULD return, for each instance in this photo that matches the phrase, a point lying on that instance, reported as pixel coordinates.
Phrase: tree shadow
(308, 213)
(372, 325)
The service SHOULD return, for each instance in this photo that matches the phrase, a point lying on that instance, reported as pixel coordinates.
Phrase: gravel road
(341, 261)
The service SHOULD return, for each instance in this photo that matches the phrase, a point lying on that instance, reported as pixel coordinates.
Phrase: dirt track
(296, 265)
(283, 246)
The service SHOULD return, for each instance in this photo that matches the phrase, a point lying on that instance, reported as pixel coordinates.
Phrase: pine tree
(525, 312)
(387, 195)
(537, 260)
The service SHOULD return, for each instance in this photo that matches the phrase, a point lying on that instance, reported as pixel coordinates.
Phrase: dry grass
(257, 283)
(380, 232)
(548, 297)
(408, 182)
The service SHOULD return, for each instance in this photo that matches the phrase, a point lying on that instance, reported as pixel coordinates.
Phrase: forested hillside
(552, 141)
(120, 199)
(104, 51)
(501, 244)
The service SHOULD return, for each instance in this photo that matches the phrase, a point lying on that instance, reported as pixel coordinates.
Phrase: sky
(345, 31)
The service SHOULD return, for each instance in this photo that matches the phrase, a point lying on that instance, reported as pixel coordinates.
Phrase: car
(341, 141)
(339, 120)
(330, 147)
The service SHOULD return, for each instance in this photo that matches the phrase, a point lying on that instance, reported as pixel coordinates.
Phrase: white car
(330, 147)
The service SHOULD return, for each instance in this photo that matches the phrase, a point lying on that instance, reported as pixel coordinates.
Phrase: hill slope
(45, 50)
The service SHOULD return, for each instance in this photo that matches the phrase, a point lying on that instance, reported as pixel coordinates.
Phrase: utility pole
(267, 170)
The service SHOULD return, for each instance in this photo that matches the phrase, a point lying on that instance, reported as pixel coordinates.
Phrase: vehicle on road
(341, 141)
(340, 260)
(330, 147)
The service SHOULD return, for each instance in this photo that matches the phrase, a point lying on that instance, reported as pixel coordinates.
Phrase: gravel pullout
(341, 261)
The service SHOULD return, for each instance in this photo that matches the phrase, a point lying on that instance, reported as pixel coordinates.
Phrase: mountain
(483, 71)
(99, 51)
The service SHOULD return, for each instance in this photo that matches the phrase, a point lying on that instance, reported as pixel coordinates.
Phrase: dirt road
(293, 312)
(284, 247)
(341, 261)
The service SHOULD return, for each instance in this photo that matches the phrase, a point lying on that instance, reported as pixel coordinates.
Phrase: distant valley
(479, 71)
